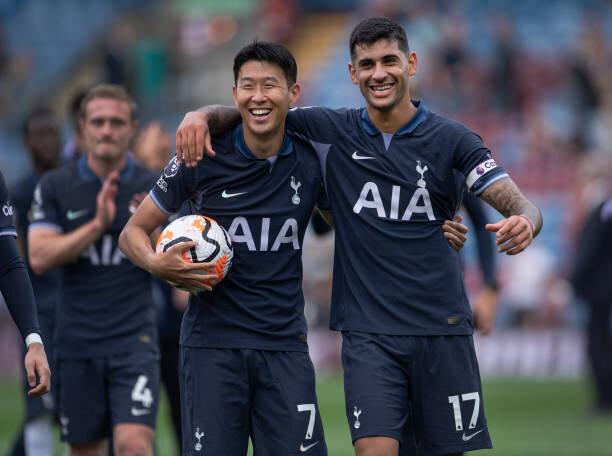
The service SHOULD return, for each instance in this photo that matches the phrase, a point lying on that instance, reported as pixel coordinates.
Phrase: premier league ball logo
(171, 168)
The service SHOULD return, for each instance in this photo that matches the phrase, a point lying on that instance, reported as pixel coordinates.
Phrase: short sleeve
(176, 185)
(475, 161)
(318, 124)
(7, 225)
(45, 206)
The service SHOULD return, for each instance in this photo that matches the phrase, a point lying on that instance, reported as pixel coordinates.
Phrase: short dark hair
(112, 91)
(38, 113)
(374, 29)
(263, 51)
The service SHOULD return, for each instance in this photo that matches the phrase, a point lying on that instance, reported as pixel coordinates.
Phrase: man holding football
(107, 360)
(245, 368)
(394, 171)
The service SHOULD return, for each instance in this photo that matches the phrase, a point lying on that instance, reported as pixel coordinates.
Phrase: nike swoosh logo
(304, 449)
(469, 437)
(73, 215)
(231, 195)
(140, 412)
(356, 156)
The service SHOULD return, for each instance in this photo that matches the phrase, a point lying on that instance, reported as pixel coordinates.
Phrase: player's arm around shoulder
(193, 136)
(523, 219)
(136, 243)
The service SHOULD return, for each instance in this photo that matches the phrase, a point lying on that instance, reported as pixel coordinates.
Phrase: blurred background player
(75, 146)
(592, 282)
(107, 358)
(17, 292)
(153, 149)
(484, 305)
(42, 138)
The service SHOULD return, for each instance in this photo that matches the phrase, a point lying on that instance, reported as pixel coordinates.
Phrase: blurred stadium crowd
(532, 78)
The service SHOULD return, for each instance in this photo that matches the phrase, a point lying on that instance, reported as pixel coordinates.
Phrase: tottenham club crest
(421, 182)
(198, 435)
(295, 199)
(171, 168)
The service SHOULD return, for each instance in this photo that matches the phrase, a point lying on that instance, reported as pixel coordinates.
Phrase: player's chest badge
(295, 185)
(421, 170)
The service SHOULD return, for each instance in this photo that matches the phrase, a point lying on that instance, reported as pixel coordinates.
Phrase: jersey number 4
(141, 393)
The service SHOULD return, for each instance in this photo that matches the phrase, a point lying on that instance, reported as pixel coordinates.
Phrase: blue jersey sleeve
(7, 226)
(16, 287)
(475, 161)
(45, 206)
(319, 124)
(176, 185)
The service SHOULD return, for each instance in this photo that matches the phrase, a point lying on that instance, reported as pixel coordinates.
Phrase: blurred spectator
(116, 55)
(533, 292)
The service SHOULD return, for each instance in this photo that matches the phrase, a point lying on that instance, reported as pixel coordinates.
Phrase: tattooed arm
(523, 219)
(193, 134)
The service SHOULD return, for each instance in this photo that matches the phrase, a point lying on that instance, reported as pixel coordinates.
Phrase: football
(213, 243)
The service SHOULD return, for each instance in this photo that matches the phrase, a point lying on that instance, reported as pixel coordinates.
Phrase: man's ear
(353, 73)
(295, 91)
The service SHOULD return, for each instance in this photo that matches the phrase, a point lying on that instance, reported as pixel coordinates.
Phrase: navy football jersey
(394, 271)
(265, 205)
(46, 287)
(105, 302)
(7, 226)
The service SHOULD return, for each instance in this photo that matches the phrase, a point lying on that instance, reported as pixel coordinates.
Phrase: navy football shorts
(228, 395)
(96, 394)
(424, 391)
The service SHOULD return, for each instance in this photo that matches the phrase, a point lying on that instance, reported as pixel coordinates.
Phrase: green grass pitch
(526, 418)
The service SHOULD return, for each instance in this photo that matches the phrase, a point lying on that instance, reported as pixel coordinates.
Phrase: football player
(394, 170)
(107, 360)
(245, 368)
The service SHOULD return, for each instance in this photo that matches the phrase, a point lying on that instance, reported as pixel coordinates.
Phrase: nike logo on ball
(231, 195)
(469, 437)
(304, 449)
(73, 215)
(356, 156)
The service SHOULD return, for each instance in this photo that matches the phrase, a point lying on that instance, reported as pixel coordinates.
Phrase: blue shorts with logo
(96, 394)
(229, 395)
(424, 391)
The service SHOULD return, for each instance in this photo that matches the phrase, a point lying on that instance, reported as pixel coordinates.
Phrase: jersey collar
(240, 144)
(407, 129)
(87, 174)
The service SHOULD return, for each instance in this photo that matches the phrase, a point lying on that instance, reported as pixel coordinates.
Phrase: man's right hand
(172, 266)
(37, 370)
(193, 138)
(106, 209)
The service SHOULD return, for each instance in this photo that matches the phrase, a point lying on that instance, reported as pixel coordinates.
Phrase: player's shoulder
(222, 143)
(445, 125)
(63, 175)
(342, 118)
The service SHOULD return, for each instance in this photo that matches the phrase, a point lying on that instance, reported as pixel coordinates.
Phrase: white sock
(38, 437)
